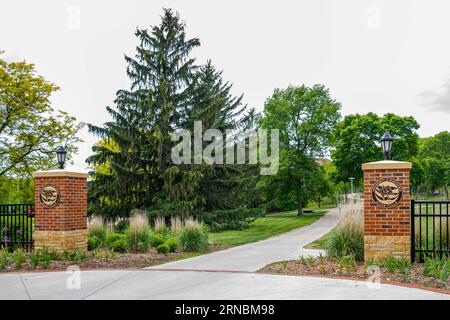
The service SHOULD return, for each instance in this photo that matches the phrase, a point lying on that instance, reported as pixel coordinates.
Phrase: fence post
(387, 209)
(61, 210)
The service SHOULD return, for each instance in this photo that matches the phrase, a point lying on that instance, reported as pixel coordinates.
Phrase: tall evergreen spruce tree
(168, 91)
(161, 75)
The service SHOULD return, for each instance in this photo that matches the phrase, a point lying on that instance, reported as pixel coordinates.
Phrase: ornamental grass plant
(348, 236)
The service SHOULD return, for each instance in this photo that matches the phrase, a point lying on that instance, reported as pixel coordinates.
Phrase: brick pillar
(387, 212)
(61, 210)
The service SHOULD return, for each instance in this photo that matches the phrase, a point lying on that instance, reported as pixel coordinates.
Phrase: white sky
(379, 56)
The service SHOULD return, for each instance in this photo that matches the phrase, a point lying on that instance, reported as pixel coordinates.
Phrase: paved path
(254, 256)
(225, 274)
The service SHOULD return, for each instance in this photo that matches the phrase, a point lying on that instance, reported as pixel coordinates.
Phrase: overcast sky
(379, 56)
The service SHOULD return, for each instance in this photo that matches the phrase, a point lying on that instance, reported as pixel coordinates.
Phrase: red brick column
(61, 210)
(387, 212)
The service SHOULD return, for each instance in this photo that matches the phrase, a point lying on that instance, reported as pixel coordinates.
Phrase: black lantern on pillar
(386, 144)
(61, 154)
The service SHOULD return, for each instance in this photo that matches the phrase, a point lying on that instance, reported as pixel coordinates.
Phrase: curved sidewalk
(254, 256)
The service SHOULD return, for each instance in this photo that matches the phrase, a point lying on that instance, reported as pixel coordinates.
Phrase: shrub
(34, 259)
(437, 268)
(393, 264)
(348, 236)
(116, 242)
(122, 225)
(138, 234)
(156, 239)
(77, 255)
(163, 248)
(93, 242)
(347, 262)
(18, 257)
(5, 258)
(97, 228)
(194, 238)
(64, 256)
(45, 257)
(172, 243)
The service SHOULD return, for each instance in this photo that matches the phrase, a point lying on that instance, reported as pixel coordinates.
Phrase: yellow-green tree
(30, 129)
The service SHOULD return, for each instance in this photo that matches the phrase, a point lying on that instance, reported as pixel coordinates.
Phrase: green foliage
(234, 219)
(347, 262)
(77, 255)
(5, 258)
(172, 243)
(132, 162)
(45, 257)
(138, 241)
(307, 261)
(306, 118)
(393, 265)
(163, 248)
(263, 228)
(122, 225)
(343, 244)
(194, 238)
(19, 257)
(93, 242)
(431, 170)
(16, 190)
(117, 242)
(437, 268)
(356, 141)
(157, 239)
(97, 229)
(34, 259)
(30, 129)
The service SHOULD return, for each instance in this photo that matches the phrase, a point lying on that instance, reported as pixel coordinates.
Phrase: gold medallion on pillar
(49, 196)
(387, 193)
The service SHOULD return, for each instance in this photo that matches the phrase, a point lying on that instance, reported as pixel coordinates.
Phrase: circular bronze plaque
(387, 193)
(49, 196)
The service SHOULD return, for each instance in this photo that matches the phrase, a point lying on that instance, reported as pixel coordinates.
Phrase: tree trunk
(318, 201)
(299, 205)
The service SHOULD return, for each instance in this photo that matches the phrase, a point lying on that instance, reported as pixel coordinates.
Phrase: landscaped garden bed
(131, 243)
(105, 259)
(345, 258)
(432, 274)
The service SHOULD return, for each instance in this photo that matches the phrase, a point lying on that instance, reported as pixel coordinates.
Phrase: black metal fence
(16, 226)
(430, 229)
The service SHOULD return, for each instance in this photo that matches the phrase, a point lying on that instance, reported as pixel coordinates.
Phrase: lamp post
(351, 184)
(61, 154)
(386, 144)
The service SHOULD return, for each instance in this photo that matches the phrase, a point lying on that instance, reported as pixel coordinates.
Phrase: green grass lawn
(271, 225)
(321, 243)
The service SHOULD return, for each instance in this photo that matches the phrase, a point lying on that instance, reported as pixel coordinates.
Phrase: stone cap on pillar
(59, 173)
(386, 164)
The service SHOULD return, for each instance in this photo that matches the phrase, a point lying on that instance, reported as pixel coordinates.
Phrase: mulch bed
(327, 267)
(119, 261)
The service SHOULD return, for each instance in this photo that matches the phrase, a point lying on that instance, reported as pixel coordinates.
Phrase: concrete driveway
(227, 274)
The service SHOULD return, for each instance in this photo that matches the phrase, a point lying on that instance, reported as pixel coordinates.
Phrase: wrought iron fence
(430, 225)
(16, 226)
